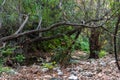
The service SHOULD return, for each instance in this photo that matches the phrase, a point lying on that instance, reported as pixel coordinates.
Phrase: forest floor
(99, 69)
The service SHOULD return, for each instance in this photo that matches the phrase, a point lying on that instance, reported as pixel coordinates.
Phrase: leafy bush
(19, 58)
(49, 65)
(59, 54)
(7, 51)
(102, 53)
(4, 69)
(10, 52)
(82, 43)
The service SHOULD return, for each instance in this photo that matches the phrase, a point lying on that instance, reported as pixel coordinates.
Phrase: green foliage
(49, 65)
(102, 53)
(19, 58)
(60, 55)
(4, 69)
(7, 51)
(82, 43)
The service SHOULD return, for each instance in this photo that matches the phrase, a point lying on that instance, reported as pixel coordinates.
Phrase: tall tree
(94, 37)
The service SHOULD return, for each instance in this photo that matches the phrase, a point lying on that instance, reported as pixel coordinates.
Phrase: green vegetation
(4, 69)
(39, 26)
(102, 53)
(19, 58)
(9, 52)
(49, 65)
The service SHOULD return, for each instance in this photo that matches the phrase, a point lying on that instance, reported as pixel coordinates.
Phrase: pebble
(55, 79)
(74, 72)
(88, 74)
(60, 73)
(13, 72)
(79, 69)
(45, 69)
(56, 68)
(72, 77)
(103, 64)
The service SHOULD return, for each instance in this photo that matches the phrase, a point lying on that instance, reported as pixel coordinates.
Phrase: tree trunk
(94, 43)
(94, 37)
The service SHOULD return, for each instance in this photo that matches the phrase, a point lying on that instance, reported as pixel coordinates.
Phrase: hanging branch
(22, 25)
(115, 44)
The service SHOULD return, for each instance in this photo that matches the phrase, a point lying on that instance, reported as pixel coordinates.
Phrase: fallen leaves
(100, 69)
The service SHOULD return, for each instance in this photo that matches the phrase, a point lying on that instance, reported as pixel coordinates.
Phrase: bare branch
(39, 24)
(3, 2)
(7, 38)
(22, 26)
(39, 27)
(53, 37)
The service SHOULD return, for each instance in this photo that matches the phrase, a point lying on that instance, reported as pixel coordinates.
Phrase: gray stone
(55, 79)
(45, 69)
(88, 74)
(103, 64)
(72, 77)
(60, 73)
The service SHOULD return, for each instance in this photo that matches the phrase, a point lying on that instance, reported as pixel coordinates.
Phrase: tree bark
(94, 37)
(94, 43)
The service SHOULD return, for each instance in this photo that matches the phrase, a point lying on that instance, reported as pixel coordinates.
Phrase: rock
(56, 68)
(69, 69)
(72, 77)
(55, 79)
(88, 74)
(12, 72)
(103, 64)
(93, 61)
(60, 73)
(74, 73)
(79, 69)
(87, 63)
(45, 69)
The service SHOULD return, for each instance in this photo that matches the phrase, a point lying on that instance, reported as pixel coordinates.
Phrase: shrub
(102, 53)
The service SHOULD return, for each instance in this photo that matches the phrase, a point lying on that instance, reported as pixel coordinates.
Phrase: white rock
(72, 77)
(45, 69)
(60, 73)
(103, 64)
(56, 68)
(88, 74)
(79, 69)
